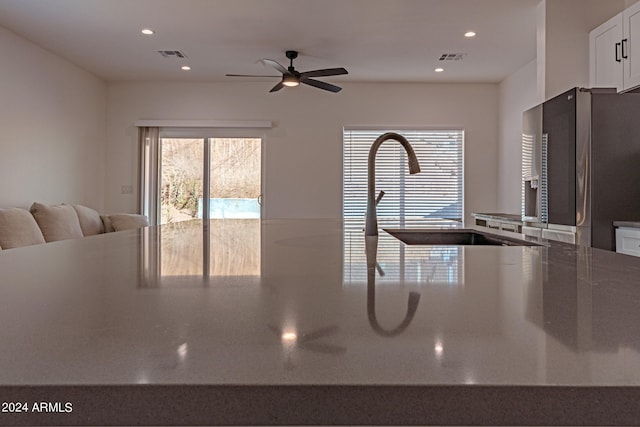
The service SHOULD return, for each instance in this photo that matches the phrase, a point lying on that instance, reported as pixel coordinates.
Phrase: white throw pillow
(128, 221)
(90, 221)
(108, 227)
(18, 228)
(57, 222)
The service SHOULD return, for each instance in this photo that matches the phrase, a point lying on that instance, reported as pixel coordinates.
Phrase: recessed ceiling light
(147, 31)
(185, 68)
(439, 70)
(470, 34)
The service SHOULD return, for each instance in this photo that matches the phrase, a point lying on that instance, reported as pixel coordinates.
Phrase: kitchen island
(283, 322)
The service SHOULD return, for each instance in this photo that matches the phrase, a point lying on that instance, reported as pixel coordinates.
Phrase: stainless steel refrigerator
(581, 165)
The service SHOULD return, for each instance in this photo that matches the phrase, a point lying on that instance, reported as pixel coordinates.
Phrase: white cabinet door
(631, 46)
(628, 241)
(605, 54)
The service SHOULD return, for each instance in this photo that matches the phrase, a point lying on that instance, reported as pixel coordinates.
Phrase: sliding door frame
(151, 178)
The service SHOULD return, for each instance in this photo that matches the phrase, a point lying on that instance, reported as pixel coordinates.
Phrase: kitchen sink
(454, 236)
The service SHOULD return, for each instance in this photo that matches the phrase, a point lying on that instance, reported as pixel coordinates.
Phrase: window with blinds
(433, 195)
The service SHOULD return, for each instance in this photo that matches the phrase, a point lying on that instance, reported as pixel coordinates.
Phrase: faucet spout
(371, 224)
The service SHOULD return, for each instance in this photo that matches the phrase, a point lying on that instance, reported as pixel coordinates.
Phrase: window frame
(149, 168)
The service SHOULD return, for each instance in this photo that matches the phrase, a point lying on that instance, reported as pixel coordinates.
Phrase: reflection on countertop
(371, 248)
(191, 253)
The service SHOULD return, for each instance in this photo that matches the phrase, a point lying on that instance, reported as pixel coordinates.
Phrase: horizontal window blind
(433, 195)
(527, 167)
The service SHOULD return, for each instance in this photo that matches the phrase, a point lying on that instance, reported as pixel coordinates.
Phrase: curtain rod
(205, 123)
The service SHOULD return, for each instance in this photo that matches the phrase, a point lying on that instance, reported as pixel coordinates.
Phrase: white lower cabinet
(532, 231)
(559, 235)
(628, 240)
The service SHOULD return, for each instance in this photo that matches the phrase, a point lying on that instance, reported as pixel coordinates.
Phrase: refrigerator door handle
(624, 49)
(617, 52)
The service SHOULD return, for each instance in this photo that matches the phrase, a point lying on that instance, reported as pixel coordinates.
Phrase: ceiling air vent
(452, 56)
(172, 54)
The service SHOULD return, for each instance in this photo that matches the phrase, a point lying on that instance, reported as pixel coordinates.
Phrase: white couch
(42, 224)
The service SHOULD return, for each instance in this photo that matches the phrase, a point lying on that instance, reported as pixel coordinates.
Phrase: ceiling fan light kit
(291, 77)
(290, 80)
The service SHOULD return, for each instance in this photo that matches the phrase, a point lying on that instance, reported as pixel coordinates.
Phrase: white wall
(517, 93)
(541, 50)
(53, 122)
(304, 149)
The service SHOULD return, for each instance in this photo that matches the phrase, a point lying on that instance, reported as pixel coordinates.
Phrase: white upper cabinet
(605, 54)
(631, 46)
(614, 51)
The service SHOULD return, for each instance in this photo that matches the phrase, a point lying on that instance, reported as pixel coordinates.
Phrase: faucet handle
(380, 195)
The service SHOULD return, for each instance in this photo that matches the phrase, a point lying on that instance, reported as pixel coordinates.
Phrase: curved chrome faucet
(371, 225)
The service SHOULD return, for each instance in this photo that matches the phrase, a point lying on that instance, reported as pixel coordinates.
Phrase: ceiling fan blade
(321, 85)
(324, 73)
(276, 65)
(249, 75)
(277, 87)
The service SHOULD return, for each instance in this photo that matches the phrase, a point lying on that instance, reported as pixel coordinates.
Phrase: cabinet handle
(617, 52)
(624, 48)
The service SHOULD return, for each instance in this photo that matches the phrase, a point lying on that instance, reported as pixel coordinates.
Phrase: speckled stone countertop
(283, 322)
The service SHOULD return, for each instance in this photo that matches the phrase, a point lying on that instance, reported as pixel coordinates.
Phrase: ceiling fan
(291, 77)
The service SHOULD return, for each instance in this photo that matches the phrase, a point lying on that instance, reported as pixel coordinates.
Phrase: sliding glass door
(235, 184)
(209, 178)
(181, 178)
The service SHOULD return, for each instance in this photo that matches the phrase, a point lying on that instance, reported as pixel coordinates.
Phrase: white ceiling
(375, 40)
